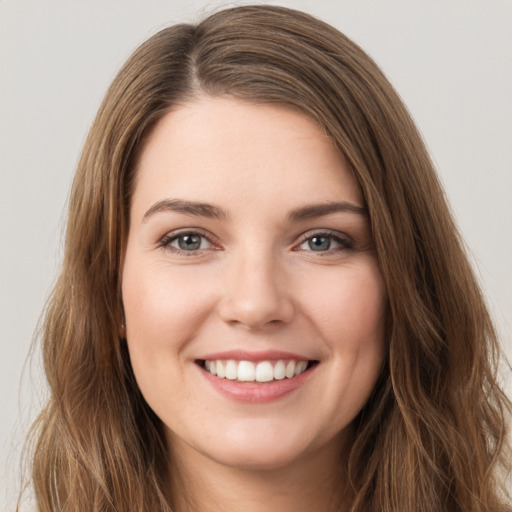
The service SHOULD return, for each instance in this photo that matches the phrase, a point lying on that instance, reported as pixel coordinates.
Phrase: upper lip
(245, 355)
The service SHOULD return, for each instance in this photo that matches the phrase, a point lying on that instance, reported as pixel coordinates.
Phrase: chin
(269, 450)
(253, 458)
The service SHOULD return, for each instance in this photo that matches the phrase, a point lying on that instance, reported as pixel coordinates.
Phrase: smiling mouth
(261, 372)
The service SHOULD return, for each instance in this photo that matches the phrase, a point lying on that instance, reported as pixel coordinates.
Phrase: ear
(121, 321)
(121, 331)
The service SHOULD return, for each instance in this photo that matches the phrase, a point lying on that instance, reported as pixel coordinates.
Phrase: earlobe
(121, 322)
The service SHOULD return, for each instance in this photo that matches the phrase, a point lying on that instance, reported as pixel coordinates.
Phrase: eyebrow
(322, 209)
(186, 207)
(214, 212)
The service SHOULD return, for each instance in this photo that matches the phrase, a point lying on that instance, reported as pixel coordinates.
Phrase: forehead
(221, 149)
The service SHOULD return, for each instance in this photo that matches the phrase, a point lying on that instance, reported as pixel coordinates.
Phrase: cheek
(164, 310)
(163, 305)
(351, 319)
(351, 312)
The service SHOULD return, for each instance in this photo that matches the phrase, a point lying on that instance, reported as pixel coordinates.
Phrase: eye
(318, 243)
(189, 241)
(325, 242)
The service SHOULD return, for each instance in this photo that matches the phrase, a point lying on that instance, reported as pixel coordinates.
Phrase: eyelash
(345, 243)
(166, 241)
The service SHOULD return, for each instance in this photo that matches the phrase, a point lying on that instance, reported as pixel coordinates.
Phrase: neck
(201, 484)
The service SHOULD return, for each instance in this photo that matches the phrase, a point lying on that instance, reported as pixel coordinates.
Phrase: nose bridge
(255, 291)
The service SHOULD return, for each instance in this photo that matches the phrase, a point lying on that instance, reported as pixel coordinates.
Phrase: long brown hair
(432, 435)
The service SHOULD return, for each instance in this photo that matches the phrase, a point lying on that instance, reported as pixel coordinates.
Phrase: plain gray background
(451, 60)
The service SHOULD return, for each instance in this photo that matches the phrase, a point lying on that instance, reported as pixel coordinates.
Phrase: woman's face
(254, 303)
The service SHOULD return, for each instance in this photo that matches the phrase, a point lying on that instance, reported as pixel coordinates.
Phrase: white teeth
(248, 371)
(290, 369)
(221, 372)
(264, 372)
(231, 370)
(279, 370)
(300, 367)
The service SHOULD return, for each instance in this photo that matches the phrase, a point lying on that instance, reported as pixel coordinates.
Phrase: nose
(256, 295)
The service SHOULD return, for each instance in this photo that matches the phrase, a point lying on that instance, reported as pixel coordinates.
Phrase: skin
(254, 284)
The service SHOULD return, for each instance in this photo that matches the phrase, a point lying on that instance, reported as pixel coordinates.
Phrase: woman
(264, 302)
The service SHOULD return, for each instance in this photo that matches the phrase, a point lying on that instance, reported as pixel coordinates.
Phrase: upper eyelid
(325, 232)
(340, 237)
(173, 235)
(188, 231)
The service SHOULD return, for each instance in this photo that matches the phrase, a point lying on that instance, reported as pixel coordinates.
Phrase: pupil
(319, 243)
(189, 242)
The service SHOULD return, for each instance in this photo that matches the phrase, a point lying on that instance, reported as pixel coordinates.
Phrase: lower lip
(253, 392)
